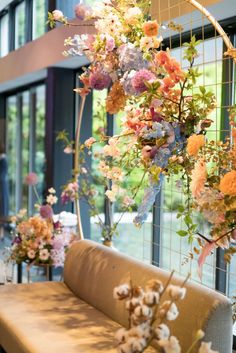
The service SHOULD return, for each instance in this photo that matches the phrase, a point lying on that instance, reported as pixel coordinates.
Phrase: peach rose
(150, 28)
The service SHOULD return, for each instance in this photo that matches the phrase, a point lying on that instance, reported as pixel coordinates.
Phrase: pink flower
(99, 80)
(68, 150)
(46, 211)
(140, 79)
(206, 250)
(110, 43)
(31, 179)
(82, 11)
(89, 142)
(146, 152)
(57, 15)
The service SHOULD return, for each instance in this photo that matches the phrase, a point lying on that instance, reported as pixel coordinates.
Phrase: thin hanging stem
(76, 164)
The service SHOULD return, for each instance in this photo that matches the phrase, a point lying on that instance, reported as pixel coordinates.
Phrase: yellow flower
(228, 183)
(195, 142)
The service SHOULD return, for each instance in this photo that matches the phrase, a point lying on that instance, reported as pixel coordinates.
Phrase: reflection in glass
(20, 25)
(4, 28)
(11, 151)
(39, 18)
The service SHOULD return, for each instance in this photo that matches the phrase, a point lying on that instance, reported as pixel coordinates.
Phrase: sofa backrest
(93, 270)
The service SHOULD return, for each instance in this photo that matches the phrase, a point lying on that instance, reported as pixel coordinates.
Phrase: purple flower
(140, 79)
(46, 211)
(99, 80)
(131, 58)
(82, 11)
(17, 240)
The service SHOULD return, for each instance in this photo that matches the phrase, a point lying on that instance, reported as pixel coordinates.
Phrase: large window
(4, 30)
(20, 29)
(39, 18)
(25, 145)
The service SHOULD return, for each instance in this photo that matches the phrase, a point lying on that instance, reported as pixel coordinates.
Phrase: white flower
(51, 200)
(176, 292)
(51, 191)
(84, 170)
(206, 348)
(171, 345)
(68, 150)
(132, 15)
(162, 332)
(121, 291)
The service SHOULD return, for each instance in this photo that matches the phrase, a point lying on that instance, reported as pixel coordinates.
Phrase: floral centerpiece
(38, 240)
(165, 118)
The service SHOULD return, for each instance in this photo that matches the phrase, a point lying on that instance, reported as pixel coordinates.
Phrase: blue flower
(156, 131)
(148, 200)
(162, 157)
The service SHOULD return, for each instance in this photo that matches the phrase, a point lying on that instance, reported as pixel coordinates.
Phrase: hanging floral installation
(164, 122)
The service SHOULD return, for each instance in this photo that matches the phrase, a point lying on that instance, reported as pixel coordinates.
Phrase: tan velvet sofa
(80, 314)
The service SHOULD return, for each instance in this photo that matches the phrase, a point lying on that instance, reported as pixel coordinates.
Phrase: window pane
(11, 151)
(4, 35)
(40, 164)
(20, 25)
(39, 18)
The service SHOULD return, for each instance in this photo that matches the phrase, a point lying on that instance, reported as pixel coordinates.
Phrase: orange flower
(228, 183)
(116, 99)
(150, 28)
(195, 142)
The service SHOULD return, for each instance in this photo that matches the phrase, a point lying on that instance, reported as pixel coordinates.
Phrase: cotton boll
(121, 292)
(138, 345)
(162, 332)
(151, 298)
(121, 335)
(176, 292)
(172, 313)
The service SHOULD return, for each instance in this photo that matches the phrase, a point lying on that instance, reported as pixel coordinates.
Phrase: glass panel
(20, 25)
(4, 43)
(11, 151)
(39, 162)
(25, 146)
(39, 18)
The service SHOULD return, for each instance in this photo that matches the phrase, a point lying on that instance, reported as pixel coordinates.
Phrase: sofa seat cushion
(48, 318)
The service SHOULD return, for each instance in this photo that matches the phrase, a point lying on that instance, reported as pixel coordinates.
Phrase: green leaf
(182, 233)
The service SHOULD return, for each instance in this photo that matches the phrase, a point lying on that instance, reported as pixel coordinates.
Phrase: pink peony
(46, 211)
(140, 78)
(82, 11)
(99, 80)
(31, 179)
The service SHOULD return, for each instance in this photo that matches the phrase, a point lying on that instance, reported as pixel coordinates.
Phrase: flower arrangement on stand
(38, 240)
(149, 314)
(165, 119)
